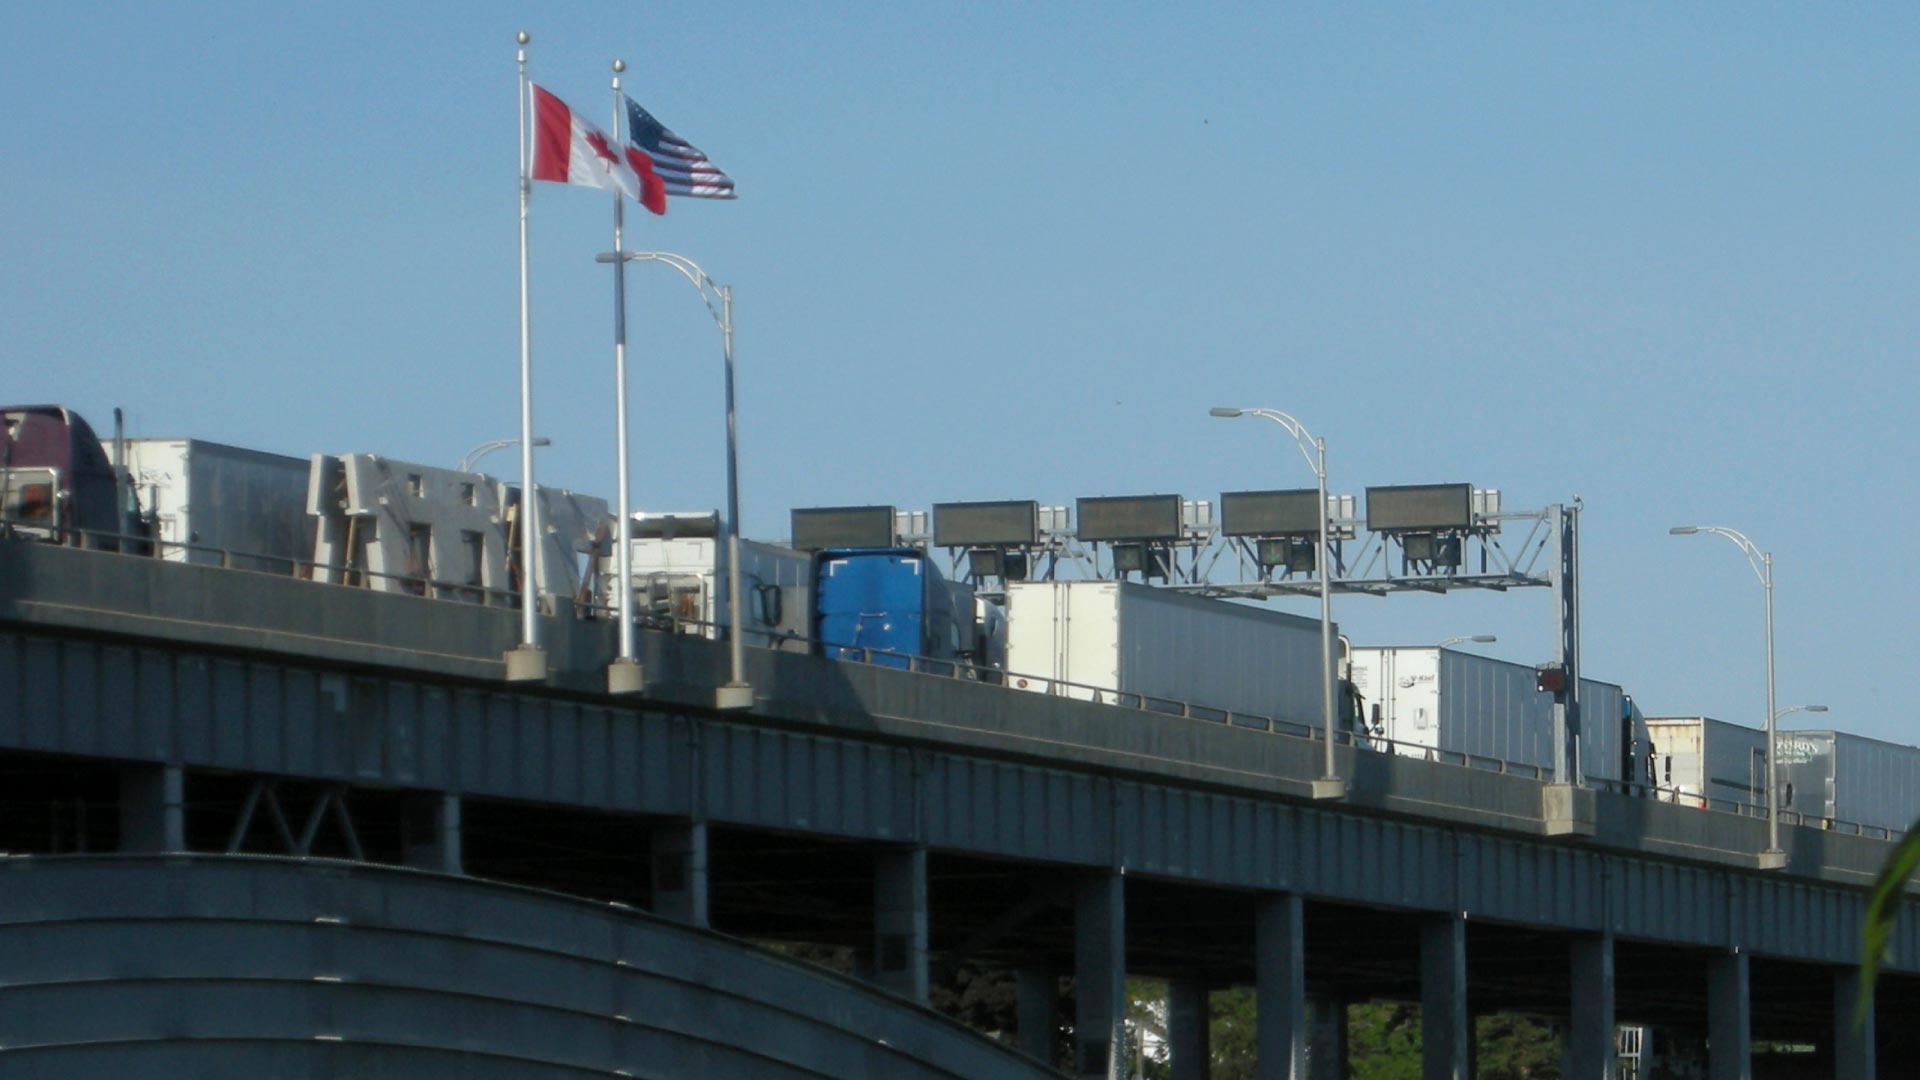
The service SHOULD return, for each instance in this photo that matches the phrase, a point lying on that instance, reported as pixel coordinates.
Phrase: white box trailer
(1700, 761)
(1110, 640)
(1424, 699)
(684, 579)
(204, 498)
(1833, 777)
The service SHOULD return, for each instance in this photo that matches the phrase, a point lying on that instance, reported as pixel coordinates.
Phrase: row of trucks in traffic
(372, 522)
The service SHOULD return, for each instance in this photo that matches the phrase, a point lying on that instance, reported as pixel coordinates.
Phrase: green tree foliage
(983, 1000)
(1515, 1047)
(1147, 1029)
(1231, 1033)
(1383, 1041)
(1883, 910)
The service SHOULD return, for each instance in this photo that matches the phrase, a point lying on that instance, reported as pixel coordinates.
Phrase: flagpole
(528, 662)
(624, 675)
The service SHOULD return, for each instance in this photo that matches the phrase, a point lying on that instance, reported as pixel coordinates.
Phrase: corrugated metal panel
(1205, 837)
(42, 705)
(389, 730)
(1666, 901)
(1016, 810)
(168, 968)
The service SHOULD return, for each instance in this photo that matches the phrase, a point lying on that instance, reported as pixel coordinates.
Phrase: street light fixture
(474, 455)
(1478, 639)
(1791, 709)
(736, 694)
(1774, 857)
(1329, 786)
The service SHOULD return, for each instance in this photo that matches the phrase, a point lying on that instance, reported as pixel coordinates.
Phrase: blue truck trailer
(889, 605)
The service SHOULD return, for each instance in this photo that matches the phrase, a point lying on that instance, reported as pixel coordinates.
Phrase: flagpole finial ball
(523, 37)
(619, 66)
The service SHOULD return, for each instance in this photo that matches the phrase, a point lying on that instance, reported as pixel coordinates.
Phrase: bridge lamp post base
(733, 696)
(526, 663)
(625, 676)
(1772, 859)
(1329, 787)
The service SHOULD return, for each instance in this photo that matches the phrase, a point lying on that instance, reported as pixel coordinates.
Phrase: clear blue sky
(1659, 256)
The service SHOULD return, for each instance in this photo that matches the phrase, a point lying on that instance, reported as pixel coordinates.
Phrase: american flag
(679, 163)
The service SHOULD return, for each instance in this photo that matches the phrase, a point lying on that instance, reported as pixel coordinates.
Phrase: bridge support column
(1445, 1027)
(1280, 988)
(1327, 1038)
(1729, 1018)
(1852, 1046)
(153, 809)
(1099, 975)
(900, 923)
(680, 871)
(430, 832)
(1034, 990)
(1590, 1047)
(1188, 1016)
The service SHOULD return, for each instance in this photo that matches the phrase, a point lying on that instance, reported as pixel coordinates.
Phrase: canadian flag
(568, 150)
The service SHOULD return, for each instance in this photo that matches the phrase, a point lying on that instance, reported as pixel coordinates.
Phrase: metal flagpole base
(1773, 859)
(733, 696)
(625, 676)
(526, 663)
(1329, 787)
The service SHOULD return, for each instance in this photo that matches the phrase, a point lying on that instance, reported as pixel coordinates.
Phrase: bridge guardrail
(964, 670)
(131, 544)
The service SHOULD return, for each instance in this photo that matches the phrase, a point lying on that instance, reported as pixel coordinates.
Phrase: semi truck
(1122, 641)
(213, 504)
(1700, 761)
(679, 563)
(893, 606)
(1423, 698)
(1832, 778)
(56, 482)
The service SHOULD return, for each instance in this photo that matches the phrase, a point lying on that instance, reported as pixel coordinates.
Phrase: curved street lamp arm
(708, 289)
(1302, 438)
(1755, 557)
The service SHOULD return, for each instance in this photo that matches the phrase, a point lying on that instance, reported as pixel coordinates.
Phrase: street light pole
(473, 456)
(1774, 857)
(624, 675)
(1329, 785)
(736, 693)
(526, 662)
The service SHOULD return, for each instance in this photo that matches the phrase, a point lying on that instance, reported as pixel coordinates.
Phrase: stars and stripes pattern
(679, 164)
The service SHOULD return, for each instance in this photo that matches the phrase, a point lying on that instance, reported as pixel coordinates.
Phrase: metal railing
(106, 541)
(966, 670)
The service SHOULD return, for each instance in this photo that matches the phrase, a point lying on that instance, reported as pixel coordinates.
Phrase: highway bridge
(263, 826)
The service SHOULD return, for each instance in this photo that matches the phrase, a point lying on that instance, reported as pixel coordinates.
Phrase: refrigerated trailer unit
(1111, 640)
(1700, 761)
(1833, 777)
(1426, 699)
(684, 579)
(213, 504)
(893, 607)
